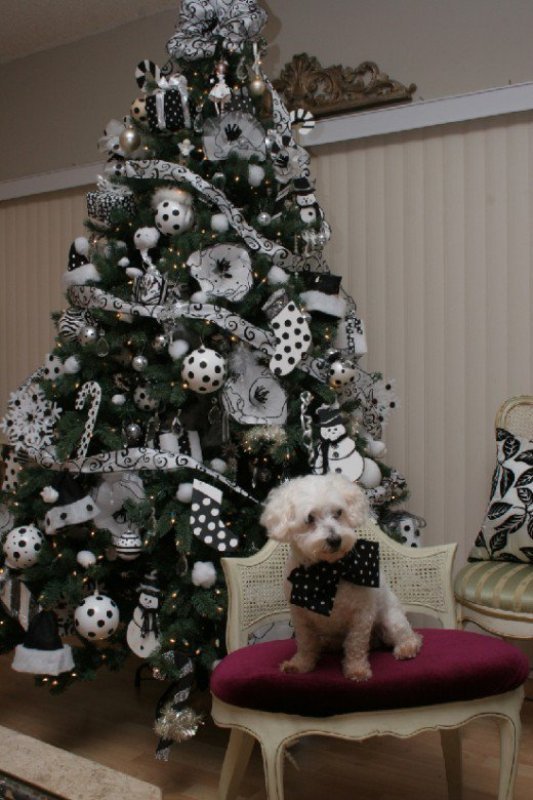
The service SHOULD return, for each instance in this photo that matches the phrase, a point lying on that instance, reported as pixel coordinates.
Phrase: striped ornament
(303, 119)
(146, 71)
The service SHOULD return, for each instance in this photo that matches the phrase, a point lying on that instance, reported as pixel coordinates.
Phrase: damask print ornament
(204, 370)
(205, 520)
(234, 133)
(224, 270)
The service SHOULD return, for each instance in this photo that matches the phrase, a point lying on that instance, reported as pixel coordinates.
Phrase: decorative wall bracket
(304, 83)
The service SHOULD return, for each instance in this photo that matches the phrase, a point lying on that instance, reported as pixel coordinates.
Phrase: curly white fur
(318, 515)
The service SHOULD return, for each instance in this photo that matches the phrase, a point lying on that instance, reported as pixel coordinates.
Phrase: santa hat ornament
(42, 652)
(79, 268)
(72, 505)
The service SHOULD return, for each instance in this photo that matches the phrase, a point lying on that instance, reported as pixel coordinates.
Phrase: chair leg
(509, 744)
(236, 760)
(453, 762)
(273, 760)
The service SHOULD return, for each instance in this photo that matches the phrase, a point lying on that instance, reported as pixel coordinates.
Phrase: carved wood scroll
(304, 83)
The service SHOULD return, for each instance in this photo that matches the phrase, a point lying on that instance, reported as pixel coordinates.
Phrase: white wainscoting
(432, 235)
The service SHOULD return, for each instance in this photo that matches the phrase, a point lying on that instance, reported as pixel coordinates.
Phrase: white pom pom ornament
(204, 574)
(178, 349)
(184, 493)
(85, 558)
(204, 371)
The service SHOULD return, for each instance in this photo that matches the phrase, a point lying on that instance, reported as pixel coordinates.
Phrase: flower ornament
(224, 270)
(202, 22)
(252, 395)
(236, 132)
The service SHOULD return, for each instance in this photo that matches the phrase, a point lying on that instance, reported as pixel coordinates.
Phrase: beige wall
(55, 104)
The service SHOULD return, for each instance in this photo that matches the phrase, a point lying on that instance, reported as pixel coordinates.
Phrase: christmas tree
(207, 353)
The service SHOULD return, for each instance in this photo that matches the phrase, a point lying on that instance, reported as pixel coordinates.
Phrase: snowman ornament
(143, 630)
(337, 452)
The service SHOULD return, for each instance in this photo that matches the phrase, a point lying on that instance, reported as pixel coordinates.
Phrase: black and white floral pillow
(507, 531)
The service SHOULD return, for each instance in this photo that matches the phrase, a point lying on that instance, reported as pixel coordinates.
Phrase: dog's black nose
(334, 541)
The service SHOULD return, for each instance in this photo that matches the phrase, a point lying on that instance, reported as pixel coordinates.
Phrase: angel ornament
(220, 94)
(143, 631)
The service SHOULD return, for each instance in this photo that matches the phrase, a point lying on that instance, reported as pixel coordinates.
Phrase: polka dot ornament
(22, 547)
(96, 617)
(205, 518)
(293, 339)
(204, 370)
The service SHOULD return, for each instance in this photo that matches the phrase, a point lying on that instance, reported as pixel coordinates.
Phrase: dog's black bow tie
(315, 587)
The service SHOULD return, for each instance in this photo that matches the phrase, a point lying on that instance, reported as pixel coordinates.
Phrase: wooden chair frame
(422, 579)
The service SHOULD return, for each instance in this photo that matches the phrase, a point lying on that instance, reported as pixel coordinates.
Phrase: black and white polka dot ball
(22, 547)
(96, 617)
(143, 399)
(204, 370)
(173, 217)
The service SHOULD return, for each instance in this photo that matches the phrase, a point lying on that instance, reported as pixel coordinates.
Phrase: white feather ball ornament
(204, 574)
(178, 349)
(219, 223)
(72, 365)
(85, 558)
(49, 494)
(276, 275)
(184, 493)
(118, 399)
(218, 465)
(256, 175)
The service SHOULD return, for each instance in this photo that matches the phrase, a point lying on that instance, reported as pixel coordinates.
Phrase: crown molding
(359, 125)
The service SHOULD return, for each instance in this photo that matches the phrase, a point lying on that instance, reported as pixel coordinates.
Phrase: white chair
(457, 677)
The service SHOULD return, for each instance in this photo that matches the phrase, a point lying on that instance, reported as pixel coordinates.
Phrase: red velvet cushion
(452, 665)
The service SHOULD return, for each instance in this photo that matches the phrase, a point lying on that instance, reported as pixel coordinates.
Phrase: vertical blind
(432, 235)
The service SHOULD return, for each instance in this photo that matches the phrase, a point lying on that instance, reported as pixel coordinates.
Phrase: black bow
(315, 587)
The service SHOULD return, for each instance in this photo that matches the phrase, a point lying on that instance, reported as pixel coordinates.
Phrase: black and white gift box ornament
(252, 395)
(109, 198)
(22, 546)
(72, 507)
(151, 288)
(204, 370)
(205, 520)
(143, 630)
(224, 270)
(234, 133)
(292, 333)
(42, 651)
(314, 587)
(16, 599)
(167, 109)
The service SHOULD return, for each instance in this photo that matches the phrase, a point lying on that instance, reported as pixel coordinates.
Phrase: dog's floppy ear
(278, 513)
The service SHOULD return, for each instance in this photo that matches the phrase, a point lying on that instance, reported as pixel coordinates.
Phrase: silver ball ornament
(139, 363)
(129, 139)
(88, 335)
(257, 86)
(264, 218)
(133, 433)
(159, 343)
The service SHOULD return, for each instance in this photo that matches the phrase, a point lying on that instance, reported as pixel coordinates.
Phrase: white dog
(318, 515)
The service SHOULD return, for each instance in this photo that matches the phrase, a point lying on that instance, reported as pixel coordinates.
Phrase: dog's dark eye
(310, 519)
(337, 513)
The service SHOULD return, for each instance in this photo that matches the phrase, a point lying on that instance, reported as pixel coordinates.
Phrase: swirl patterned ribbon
(92, 297)
(133, 458)
(202, 23)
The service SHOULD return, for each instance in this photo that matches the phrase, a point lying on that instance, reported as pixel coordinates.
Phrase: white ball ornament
(219, 223)
(341, 374)
(371, 475)
(96, 617)
(174, 211)
(204, 371)
(143, 399)
(86, 559)
(22, 547)
(204, 574)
